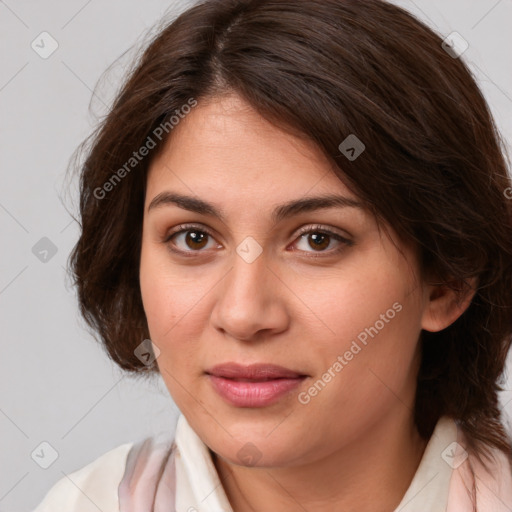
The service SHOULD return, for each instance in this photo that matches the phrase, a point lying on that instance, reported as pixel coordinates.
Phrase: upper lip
(256, 371)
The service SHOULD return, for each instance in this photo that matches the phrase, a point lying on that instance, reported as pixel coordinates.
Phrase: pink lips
(256, 385)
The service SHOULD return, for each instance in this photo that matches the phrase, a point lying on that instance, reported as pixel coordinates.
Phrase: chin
(256, 451)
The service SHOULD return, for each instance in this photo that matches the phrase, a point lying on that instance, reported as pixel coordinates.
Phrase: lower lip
(253, 394)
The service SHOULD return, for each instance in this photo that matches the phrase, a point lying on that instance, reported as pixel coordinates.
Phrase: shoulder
(93, 487)
(492, 488)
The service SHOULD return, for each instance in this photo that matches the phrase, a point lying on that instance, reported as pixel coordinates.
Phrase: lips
(258, 372)
(256, 385)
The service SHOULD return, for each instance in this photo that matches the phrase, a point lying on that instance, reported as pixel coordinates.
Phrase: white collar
(198, 486)
(430, 485)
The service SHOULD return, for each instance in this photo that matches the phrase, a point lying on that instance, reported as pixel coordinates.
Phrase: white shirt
(198, 487)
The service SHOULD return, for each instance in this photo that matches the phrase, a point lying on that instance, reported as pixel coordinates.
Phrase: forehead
(224, 146)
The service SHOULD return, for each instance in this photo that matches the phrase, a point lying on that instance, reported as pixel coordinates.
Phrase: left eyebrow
(279, 213)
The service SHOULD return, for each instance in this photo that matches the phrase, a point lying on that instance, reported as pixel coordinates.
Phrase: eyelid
(333, 232)
(324, 229)
(187, 227)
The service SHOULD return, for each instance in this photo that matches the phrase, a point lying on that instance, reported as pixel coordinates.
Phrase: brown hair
(434, 169)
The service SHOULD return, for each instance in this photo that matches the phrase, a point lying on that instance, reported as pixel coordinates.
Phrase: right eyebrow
(279, 213)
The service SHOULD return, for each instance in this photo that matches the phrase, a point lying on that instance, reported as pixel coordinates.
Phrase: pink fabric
(486, 491)
(149, 480)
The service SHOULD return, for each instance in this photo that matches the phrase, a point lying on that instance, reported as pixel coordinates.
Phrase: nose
(250, 301)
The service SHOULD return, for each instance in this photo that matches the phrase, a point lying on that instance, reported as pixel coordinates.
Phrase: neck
(356, 477)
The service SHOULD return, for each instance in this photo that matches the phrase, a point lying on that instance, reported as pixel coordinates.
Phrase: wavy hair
(434, 169)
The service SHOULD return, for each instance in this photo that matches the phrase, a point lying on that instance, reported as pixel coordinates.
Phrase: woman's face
(343, 315)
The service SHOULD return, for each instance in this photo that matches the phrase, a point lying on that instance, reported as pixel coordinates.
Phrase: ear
(445, 304)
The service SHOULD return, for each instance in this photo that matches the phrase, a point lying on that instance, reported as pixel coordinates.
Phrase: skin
(288, 308)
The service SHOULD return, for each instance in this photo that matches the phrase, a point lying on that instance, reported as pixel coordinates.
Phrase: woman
(296, 213)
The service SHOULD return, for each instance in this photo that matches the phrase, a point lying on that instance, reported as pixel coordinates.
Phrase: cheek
(158, 291)
(166, 312)
(174, 309)
(364, 300)
(374, 325)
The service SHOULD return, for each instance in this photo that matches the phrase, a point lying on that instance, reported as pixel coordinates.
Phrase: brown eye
(188, 239)
(195, 239)
(319, 239)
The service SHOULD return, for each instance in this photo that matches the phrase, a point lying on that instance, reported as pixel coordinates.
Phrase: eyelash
(183, 228)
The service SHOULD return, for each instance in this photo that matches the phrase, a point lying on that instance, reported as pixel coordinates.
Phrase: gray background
(57, 385)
